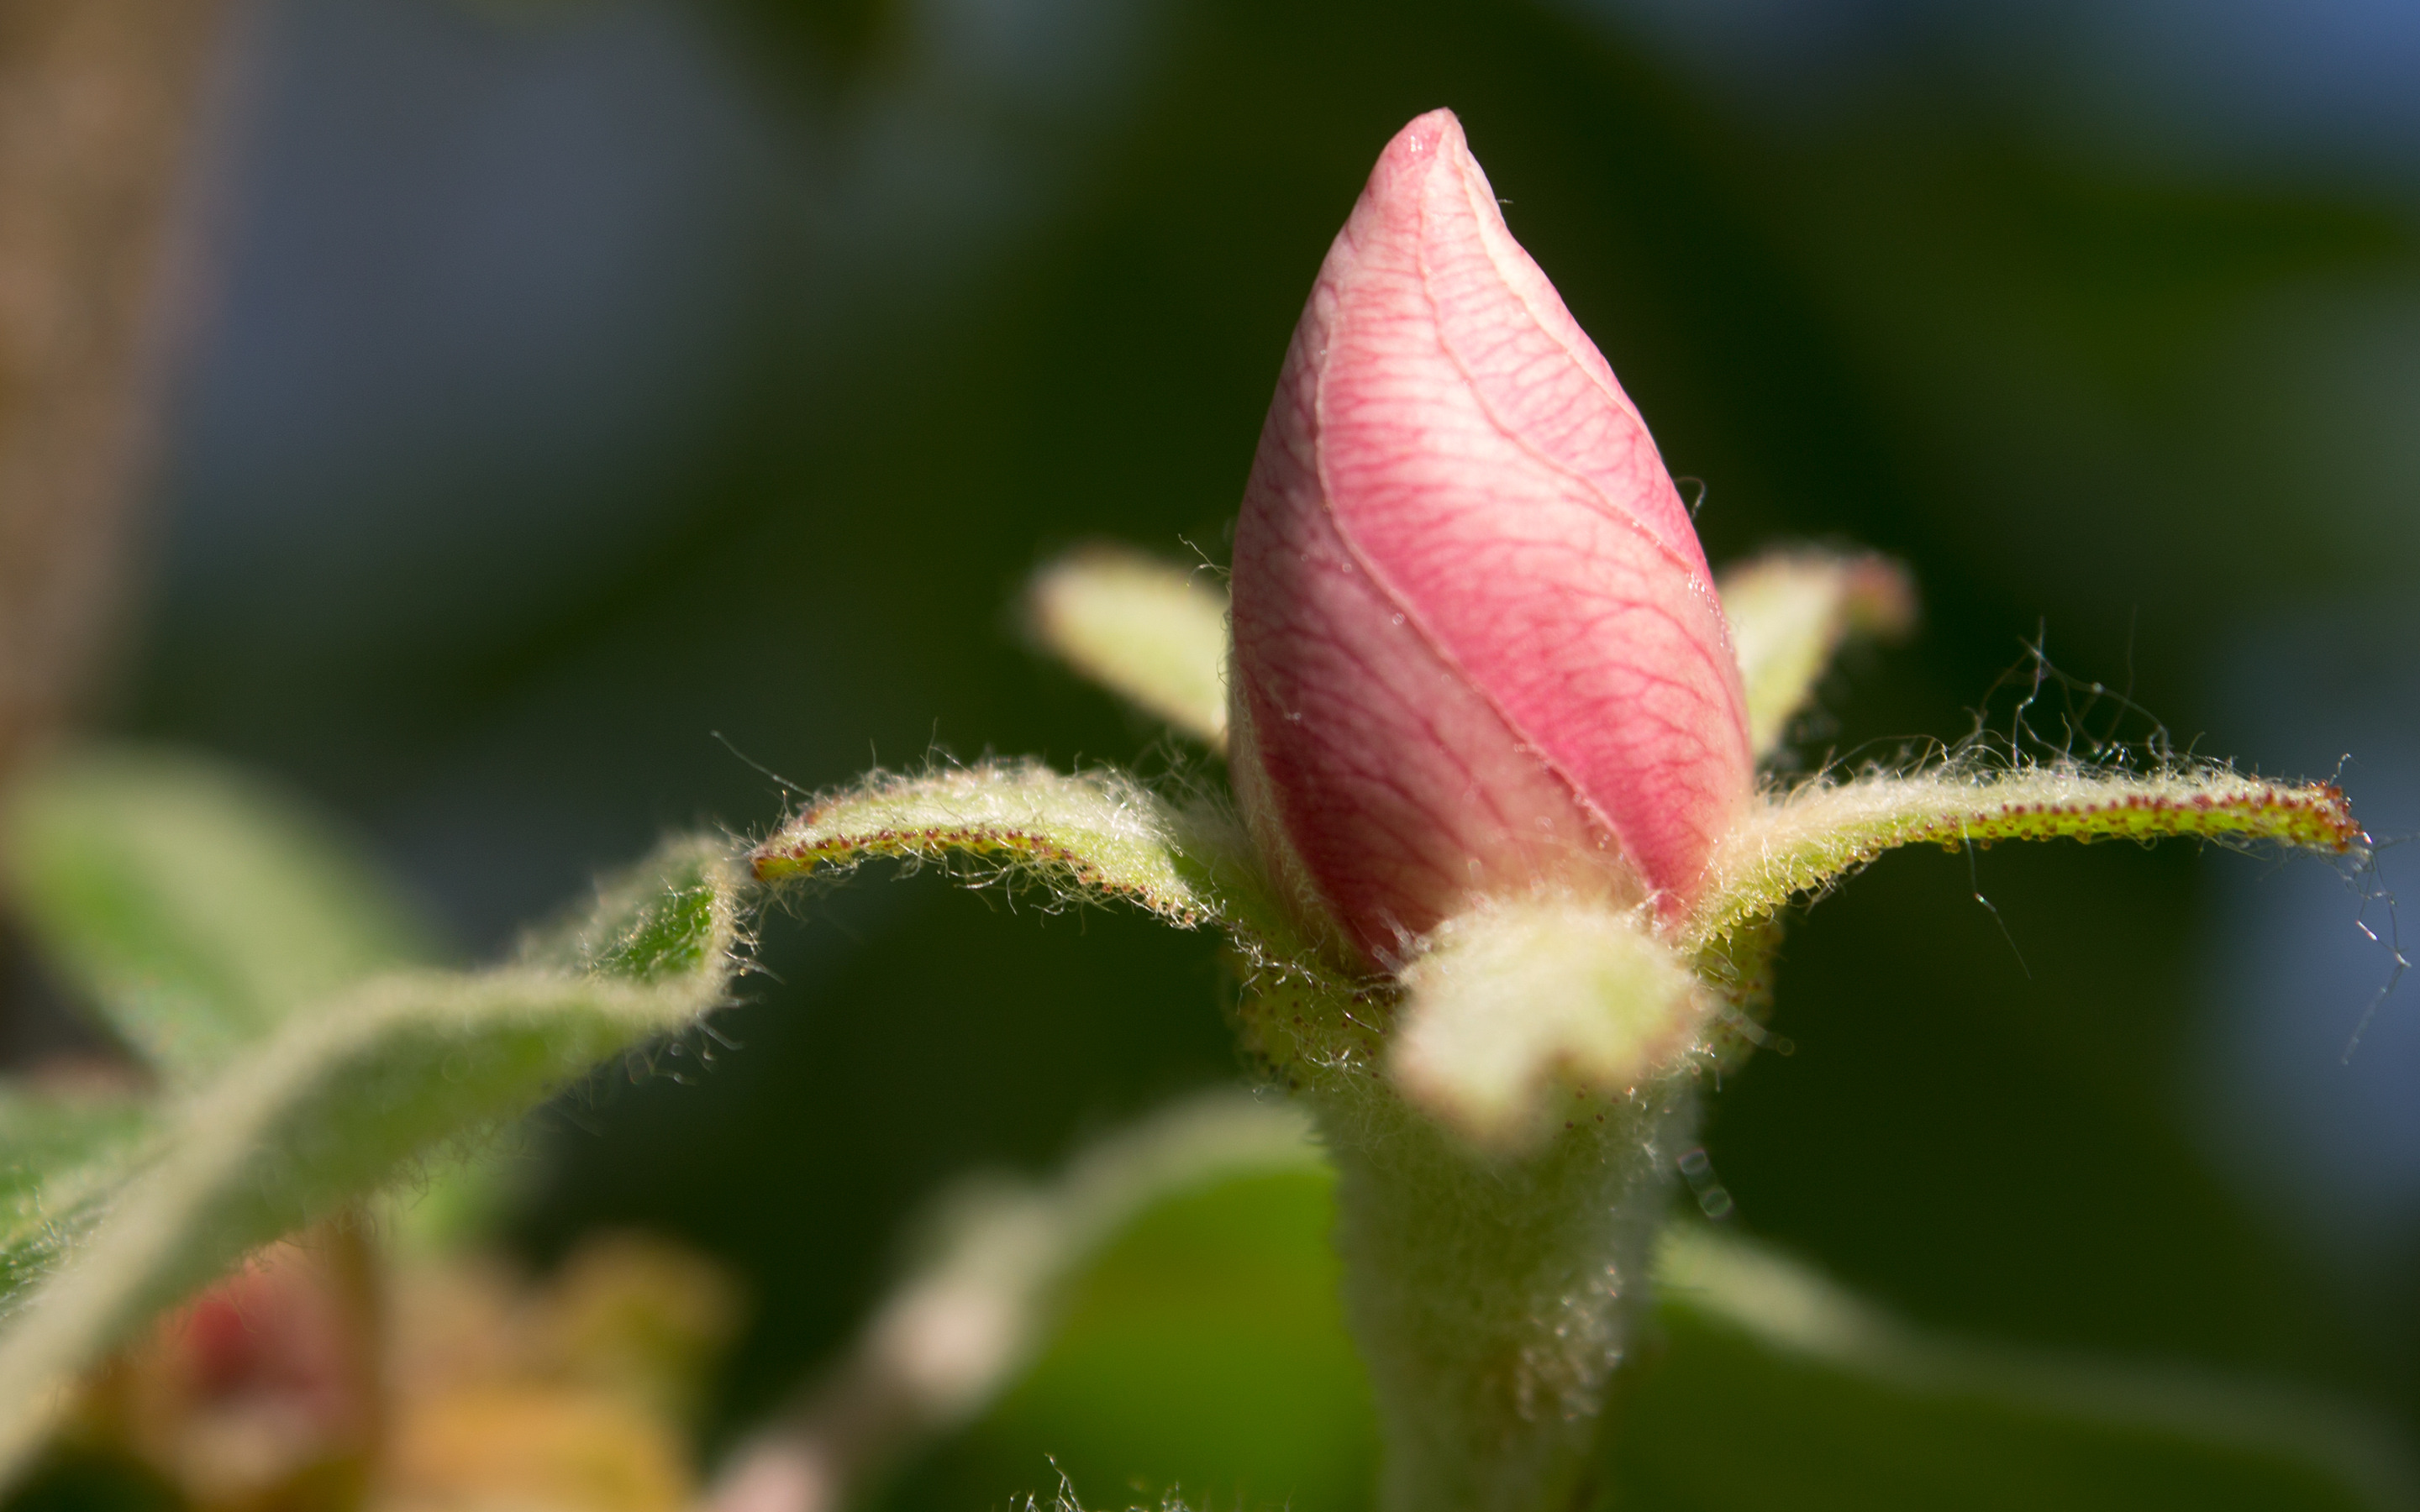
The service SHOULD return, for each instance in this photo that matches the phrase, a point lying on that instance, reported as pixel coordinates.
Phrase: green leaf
(194, 908)
(60, 1154)
(1789, 612)
(1206, 1346)
(1823, 830)
(991, 1286)
(1778, 1388)
(1148, 630)
(1096, 833)
(343, 1099)
(1203, 1352)
(41, 1131)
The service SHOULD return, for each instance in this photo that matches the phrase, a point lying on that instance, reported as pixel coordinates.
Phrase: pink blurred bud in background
(1476, 647)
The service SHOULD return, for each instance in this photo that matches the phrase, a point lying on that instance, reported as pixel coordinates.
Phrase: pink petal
(1477, 643)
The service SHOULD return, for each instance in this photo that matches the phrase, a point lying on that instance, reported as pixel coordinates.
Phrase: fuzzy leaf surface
(193, 908)
(345, 1098)
(1096, 833)
(1811, 838)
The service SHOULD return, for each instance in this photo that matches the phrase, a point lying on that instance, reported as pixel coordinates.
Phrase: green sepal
(1151, 632)
(1809, 838)
(1789, 612)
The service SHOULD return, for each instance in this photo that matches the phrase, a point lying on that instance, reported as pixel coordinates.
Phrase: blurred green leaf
(969, 1316)
(1790, 610)
(193, 907)
(1777, 1388)
(45, 1132)
(59, 1153)
(1148, 630)
(343, 1099)
(1206, 1351)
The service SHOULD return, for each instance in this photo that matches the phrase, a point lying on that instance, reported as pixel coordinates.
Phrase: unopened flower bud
(1476, 648)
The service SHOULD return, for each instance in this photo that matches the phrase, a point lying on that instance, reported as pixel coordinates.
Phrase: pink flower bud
(1476, 648)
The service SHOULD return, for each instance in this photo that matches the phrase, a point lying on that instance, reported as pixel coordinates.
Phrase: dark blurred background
(595, 399)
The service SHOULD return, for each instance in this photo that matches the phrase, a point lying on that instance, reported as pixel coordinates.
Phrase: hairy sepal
(1811, 838)
(1081, 835)
(1789, 612)
(1512, 1007)
(1152, 632)
(339, 1101)
(1101, 836)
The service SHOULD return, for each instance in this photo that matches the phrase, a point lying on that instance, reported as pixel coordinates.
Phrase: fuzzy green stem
(1493, 1298)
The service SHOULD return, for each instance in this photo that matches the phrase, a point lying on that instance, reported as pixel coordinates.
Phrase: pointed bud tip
(1400, 180)
(1424, 138)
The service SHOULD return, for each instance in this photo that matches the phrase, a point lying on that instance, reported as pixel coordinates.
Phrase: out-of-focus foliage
(120, 1206)
(1149, 630)
(322, 1373)
(1205, 1354)
(191, 909)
